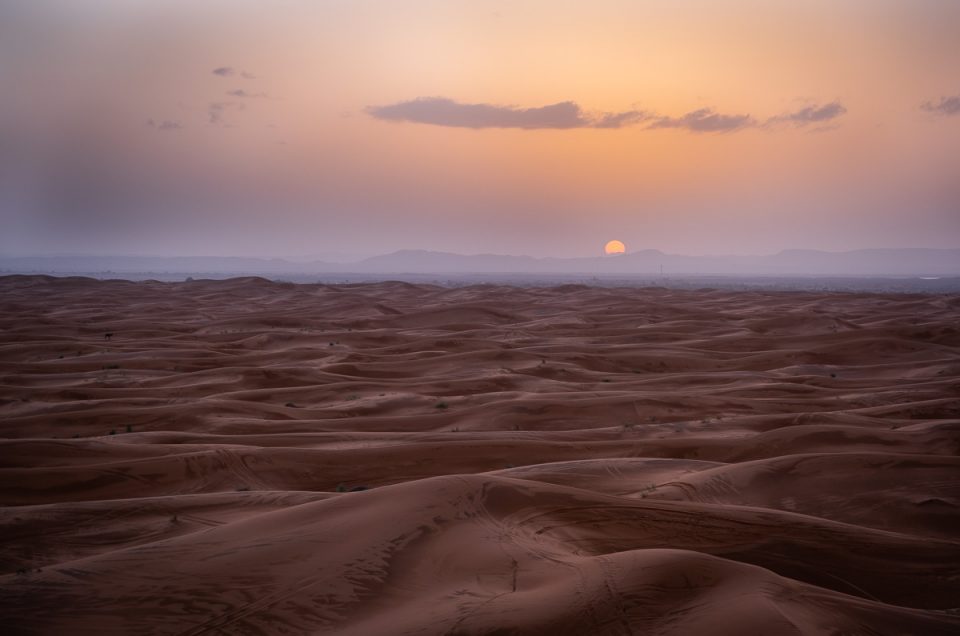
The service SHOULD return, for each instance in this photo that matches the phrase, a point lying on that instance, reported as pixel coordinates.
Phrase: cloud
(440, 111)
(216, 111)
(705, 120)
(815, 114)
(239, 92)
(229, 71)
(948, 105)
(619, 120)
(164, 125)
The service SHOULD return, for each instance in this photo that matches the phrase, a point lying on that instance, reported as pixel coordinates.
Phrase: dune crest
(243, 456)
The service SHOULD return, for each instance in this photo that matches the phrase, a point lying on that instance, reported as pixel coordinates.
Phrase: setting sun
(615, 247)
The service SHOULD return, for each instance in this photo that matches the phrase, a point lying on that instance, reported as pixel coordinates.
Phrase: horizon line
(360, 259)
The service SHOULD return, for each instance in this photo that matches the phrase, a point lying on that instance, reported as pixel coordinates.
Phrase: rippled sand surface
(249, 457)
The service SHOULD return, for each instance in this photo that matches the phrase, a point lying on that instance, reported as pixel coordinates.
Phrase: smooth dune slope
(252, 457)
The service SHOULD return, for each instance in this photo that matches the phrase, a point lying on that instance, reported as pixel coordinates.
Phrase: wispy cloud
(217, 111)
(229, 71)
(814, 114)
(164, 125)
(621, 119)
(948, 105)
(242, 94)
(440, 111)
(705, 120)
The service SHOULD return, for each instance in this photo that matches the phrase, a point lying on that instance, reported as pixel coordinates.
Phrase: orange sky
(301, 163)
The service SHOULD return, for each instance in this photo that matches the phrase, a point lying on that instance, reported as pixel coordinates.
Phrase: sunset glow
(699, 127)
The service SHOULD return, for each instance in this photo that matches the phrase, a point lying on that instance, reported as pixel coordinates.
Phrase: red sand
(566, 460)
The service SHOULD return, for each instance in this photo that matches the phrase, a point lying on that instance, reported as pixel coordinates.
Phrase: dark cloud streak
(815, 114)
(619, 120)
(229, 71)
(705, 120)
(440, 111)
(948, 105)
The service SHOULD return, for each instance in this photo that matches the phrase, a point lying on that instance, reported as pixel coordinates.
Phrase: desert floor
(251, 457)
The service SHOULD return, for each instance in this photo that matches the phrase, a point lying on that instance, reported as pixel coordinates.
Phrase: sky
(339, 129)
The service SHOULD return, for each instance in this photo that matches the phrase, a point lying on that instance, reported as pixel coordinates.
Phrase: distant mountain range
(869, 262)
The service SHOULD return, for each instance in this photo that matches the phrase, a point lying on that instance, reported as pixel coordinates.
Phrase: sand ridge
(246, 456)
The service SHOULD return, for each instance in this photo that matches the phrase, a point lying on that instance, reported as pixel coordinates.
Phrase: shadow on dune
(250, 457)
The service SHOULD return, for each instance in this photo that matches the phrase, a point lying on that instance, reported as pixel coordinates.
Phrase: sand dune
(251, 457)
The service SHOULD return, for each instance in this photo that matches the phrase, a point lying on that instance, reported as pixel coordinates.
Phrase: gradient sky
(308, 128)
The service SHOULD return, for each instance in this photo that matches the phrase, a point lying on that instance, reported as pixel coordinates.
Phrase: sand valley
(253, 457)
